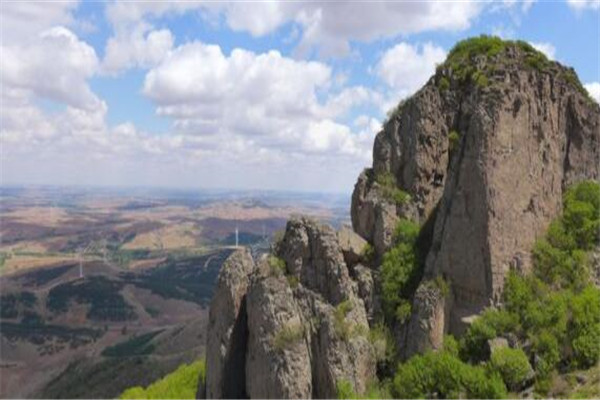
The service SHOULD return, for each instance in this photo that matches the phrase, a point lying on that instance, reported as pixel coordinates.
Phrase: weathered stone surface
(373, 217)
(227, 329)
(425, 330)
(365, 280)
(311, 251)
(338, 356)
(278, 364)
(297, 344)
(352, 245)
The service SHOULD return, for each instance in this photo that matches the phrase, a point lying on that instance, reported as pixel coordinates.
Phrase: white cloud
(547, 48)
(405, 68)
(24, 20)
(584, 4)
(267, 102)
(593, 89)
(138, 45)
(328, 26)
(56, 67)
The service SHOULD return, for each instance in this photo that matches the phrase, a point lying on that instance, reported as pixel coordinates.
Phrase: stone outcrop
(306, 326)
(278, 364)
(228, 329)
(352, 245)
(486, 163)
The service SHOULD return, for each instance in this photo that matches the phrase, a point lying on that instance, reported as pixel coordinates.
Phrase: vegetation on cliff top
(476, 59)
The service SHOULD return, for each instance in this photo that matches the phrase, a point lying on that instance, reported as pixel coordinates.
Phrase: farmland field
(100, 281)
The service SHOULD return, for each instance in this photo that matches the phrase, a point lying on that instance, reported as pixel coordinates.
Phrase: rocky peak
(304, 322)
(483, 152)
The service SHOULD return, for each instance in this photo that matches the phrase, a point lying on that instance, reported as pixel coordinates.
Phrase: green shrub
(399, 271)
(383, 344)
(368, 253)
(277, 265)
(482, 384)
(451, 345)
(490, 324)
(403, 311)
(582, 213)
(345, 390)
(342, 328)
(444, 84)
(406, 231)
(377, 390)
(181, 384)
(396, 271)
(453, 140)
(390, 190)
(293, 281)
(480, 79)
(586, 347)
(473, 342)
(288, 336)
(546, 348)
(512, 365)
(443, 375)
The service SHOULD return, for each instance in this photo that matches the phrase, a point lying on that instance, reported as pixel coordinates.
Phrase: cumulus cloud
(266, 101)
(139, 45)
(56, 67)
(547, 48)
(405, 68)
(593, 89)
(24, 20)
(328, 27)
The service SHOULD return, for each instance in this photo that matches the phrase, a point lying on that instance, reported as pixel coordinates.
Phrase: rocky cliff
(479, 158)
(295, 325)
(484, 150)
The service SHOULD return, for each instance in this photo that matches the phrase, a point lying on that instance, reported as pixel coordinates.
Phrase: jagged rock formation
(480, 156)
(485, 149)
(305, 324)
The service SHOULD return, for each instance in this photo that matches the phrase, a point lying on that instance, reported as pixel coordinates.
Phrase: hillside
(473, 267)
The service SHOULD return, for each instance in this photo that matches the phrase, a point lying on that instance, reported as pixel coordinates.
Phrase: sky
(241, 95)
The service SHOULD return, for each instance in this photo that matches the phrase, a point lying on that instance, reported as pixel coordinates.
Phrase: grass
(461, 61)
(288, 336)
(344, 329)
(389, 189)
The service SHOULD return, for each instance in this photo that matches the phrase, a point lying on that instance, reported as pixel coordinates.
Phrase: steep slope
(485, 150)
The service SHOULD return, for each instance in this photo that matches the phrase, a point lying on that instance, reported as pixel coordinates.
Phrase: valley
(103, 290)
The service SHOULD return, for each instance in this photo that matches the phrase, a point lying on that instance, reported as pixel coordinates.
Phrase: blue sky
(267, 95)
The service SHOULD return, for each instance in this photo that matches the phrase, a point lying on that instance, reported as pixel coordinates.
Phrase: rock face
(278, 363)
(228, 329)
(305, 327)
(487, 164)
